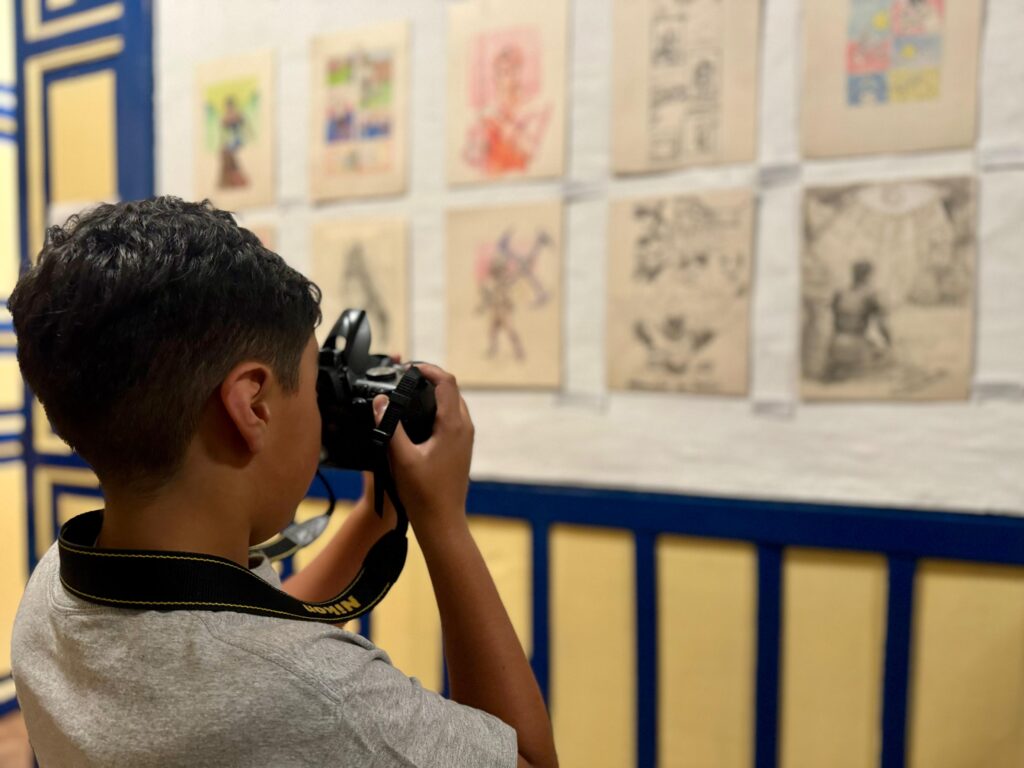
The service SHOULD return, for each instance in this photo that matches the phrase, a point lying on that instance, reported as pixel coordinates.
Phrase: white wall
(958, 455)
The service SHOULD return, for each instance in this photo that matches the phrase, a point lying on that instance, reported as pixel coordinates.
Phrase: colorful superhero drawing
(504, 91)
(501, 268)
(232, 123)
(894, 51)
(360, 109)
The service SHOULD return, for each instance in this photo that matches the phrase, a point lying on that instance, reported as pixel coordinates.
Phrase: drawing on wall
(679, 293)
(234, 137)
(504, 295)
(359, 96)
(906, 78)
(684, 83)
(362, 264)
(894, 51)
(506, 90)
(888, 290)
(266, 233)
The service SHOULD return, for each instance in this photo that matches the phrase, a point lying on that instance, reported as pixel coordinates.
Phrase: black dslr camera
(349, 379)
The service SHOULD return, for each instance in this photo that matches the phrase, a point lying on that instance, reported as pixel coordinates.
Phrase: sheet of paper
(506, 89)
(684, 83)
(363, 264)
(358, 121)
(234, 131)
(888, 290)
(889, 75)
(505, 295)
(679, 293)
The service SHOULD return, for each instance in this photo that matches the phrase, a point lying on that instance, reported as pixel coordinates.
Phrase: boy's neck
(175, 520)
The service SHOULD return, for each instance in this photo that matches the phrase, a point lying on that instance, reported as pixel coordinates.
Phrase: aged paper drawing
(889, 75)
(359, 114)
(888, 290)
(504, 295)
(679, 293)
(267, 234)
(506, 89)
(234, 133)
(684, 83)
(363, 264)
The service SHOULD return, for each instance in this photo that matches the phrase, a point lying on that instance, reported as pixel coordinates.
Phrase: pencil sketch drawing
(361, 264)
(679, 293)
(888, 287)
(684, 86)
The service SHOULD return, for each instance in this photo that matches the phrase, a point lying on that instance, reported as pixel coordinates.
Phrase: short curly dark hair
(135, 312)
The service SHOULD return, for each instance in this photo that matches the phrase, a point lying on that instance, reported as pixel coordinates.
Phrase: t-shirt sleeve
(400, 723)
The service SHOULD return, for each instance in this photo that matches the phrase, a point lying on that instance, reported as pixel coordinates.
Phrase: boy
(177, 356)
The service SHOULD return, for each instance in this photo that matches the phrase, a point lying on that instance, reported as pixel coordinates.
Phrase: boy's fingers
(446, 390)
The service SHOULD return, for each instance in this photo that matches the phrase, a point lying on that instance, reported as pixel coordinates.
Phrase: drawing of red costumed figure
(505, 77)
(499, 269)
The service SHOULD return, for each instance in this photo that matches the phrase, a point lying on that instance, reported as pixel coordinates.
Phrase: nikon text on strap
(167, 581)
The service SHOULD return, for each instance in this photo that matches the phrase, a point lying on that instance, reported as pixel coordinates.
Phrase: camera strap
(168, 581)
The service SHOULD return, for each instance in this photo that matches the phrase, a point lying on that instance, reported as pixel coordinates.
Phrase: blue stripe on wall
(769, 623)
(646, 650)
(897, 661)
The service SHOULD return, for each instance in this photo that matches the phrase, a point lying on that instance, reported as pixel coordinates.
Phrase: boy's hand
(433, 477)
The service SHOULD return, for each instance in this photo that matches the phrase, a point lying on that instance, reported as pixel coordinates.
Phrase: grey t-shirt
(106, 686)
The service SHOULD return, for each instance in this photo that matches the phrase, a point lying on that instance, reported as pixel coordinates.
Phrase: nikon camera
(348, 380)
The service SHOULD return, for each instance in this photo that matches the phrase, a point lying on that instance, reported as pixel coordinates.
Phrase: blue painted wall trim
(897, 661)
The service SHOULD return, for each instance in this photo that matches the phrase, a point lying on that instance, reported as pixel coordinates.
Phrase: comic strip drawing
(679, 293)
(234, 152)
(504, 91)
(358, 115)
(888, 287)
(506, 80)
(361, 264)
(504, 300)
(684, 83)
(684, 86)
(889, 76)
(894, 51)
(500, 267)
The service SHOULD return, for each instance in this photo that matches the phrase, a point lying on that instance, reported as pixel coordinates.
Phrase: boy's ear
(244, 395)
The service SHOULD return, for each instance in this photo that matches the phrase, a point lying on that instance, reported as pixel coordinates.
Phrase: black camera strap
(167, 581)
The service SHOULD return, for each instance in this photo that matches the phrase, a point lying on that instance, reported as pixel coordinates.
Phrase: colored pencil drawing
(232, 122)
(505, 93)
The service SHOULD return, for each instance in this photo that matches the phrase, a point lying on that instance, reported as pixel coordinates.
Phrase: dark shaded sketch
(888, 288)
(679, 293)
(504, 295)
(358, 288)
(361, 264)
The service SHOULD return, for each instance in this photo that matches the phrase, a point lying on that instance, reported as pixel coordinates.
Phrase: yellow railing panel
(593, 646)
(833, 639)
(967, 675)
(707, 634)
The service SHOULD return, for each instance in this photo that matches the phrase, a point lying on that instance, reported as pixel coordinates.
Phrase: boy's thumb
(380, 404)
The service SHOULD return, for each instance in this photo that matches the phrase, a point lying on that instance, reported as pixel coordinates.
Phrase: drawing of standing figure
(500, 268)
(851, 351)
(507, 132)
(232, 124)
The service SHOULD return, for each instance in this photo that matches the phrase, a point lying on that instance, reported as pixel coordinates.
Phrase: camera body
(348, 380)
